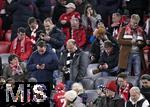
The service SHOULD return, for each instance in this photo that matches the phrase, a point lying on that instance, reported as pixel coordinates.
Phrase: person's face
(71, 48)
(108, 50)
(14, 61)
(120, 82)
(21, 35)
(134, 96)
(115, 18)
(41, 50)
(145, 83)
(90, 10)
(109, 93)
(48, 25)
(69, 10)
(133, 24)
(33, 25)
(75, 23)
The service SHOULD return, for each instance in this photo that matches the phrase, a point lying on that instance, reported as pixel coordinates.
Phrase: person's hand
(105, 66)
(38, 66)
(63, 21)
(139, 42)
(46, 38)
(92, 58)
(42, 66)
(100, 67)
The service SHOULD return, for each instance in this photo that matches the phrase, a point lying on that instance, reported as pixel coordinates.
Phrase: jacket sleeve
(11, 48)
(59, 40)
(83, 39)
(30, 65)
(83, 64)
(53, 65)
(28, 50)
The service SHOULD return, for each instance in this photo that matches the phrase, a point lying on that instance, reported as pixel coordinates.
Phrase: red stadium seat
(8, 35)
(4, 47)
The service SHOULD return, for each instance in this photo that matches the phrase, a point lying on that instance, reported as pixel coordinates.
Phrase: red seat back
(4, 47)
(8, 35)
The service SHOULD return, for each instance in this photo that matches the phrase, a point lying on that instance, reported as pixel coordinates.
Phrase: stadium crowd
(94, 53)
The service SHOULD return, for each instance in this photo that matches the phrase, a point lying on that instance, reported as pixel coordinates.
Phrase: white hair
(70, 95)
(78, 87)
(135, 89)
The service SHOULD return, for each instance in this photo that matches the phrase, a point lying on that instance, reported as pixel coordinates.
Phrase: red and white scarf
(33, 35)
(124, 92)
(22, 50)
(130, 31)
(16, 68)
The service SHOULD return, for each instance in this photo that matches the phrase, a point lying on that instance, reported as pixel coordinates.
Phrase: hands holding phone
(40, 66)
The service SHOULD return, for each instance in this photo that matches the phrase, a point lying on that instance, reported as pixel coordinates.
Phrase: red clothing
(124, 92)
(2, 3)
(67, 17)
(22, 48)
(59, 98)
(79, 35)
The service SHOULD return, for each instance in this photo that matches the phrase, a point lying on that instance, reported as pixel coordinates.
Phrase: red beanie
(111, 85)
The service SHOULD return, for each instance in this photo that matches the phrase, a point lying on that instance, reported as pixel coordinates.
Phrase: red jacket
(59, 99)
(79, 35)
(22, 48)
(67, 17)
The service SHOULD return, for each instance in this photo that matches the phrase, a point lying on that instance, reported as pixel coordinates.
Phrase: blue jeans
(135, 60)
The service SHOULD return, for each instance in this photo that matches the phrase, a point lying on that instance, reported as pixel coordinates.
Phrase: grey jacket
(78, 66)
(77, 103)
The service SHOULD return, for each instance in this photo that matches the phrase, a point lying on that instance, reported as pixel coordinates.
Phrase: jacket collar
(140, 98)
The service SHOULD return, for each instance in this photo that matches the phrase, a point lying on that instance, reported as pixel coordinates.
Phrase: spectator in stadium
(111, 98)
(145, 83)
(138, 7)
(42, 63)
(123, 86)
(147, 47)
(14, 69)
(34, 27)
(72, 99)
(66, 17)
(21, 45)
(108, 62)
(21, 10)
(78, 87)
(106, 8)
(73, 63)
(59, 9)
(58, 97)
(89, 19)
(137, 99)
(131, 39)
(97, 47)
(53, 36)
(114, 28)
(77, 33)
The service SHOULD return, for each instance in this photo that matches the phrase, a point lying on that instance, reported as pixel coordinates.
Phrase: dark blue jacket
(49, 58)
